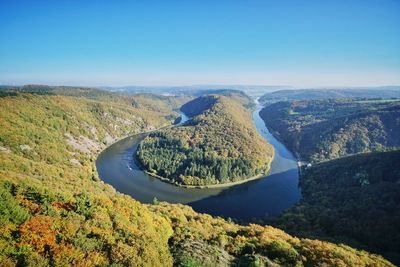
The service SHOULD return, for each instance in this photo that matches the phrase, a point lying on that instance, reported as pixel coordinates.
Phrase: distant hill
(55, 90)
(218, 145)
(142, 100)
(239, 96)
(200, 104)
(384, 92)
(355, 200)
(110, 93)
(319, 130)
(198, 90)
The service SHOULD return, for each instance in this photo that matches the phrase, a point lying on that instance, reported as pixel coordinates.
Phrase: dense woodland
(218, 145)
(319, 130)
(355, 200)
(54, 210)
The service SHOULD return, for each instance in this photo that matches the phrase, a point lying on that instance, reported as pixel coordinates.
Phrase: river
(257, 199)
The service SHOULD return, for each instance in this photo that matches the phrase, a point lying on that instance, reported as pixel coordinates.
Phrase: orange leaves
(39, 233)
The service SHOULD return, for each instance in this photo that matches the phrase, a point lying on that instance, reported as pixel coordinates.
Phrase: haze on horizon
(108, 43)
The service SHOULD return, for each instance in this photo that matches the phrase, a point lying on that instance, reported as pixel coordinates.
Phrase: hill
(218, 145)
(239, 96)
(385, 92)
(354, 199)
(54, 210)
(319, 130)
(139, 100)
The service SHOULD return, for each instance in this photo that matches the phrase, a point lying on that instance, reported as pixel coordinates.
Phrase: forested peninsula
(218, 145)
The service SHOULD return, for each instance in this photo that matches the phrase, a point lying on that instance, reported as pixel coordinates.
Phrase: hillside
(385, 92)
(201, 240)
(201, 104)
(218, 145)
(53, 206)
(54, 210)
(319, 130)
(159, 103)
(355, 200)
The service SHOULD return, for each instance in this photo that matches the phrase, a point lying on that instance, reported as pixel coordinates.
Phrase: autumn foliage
(54, 211)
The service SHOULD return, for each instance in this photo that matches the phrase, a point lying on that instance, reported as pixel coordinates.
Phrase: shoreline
(278, 137)
(223, 185)
(98, 152)
(129, 135)
(166, 180)
(210, 198)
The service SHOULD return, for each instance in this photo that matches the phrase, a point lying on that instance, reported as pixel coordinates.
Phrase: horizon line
(204, 85)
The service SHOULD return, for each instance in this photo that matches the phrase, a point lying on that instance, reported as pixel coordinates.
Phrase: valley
(278, 190)
(200, 133)
(55, 209)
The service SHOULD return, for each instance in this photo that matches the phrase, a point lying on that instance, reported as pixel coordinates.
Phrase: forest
(354, 200)
(54, 210)
(218, 145)
(320, 130)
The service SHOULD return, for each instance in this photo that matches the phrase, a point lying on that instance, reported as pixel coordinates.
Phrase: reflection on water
(267, 196)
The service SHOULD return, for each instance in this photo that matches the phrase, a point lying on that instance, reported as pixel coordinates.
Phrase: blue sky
(299, 43)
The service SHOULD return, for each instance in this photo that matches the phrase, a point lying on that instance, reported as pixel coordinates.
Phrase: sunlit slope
(53, 208)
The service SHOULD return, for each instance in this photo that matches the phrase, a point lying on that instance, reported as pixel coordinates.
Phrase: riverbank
(227, 133)
(174, 123)
(223, 185)
(209, 186)
(119, 139)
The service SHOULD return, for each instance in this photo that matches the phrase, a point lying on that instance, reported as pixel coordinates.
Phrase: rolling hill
(218, 145)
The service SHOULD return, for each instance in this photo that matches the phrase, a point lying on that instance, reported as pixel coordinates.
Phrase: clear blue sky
(300, 43)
